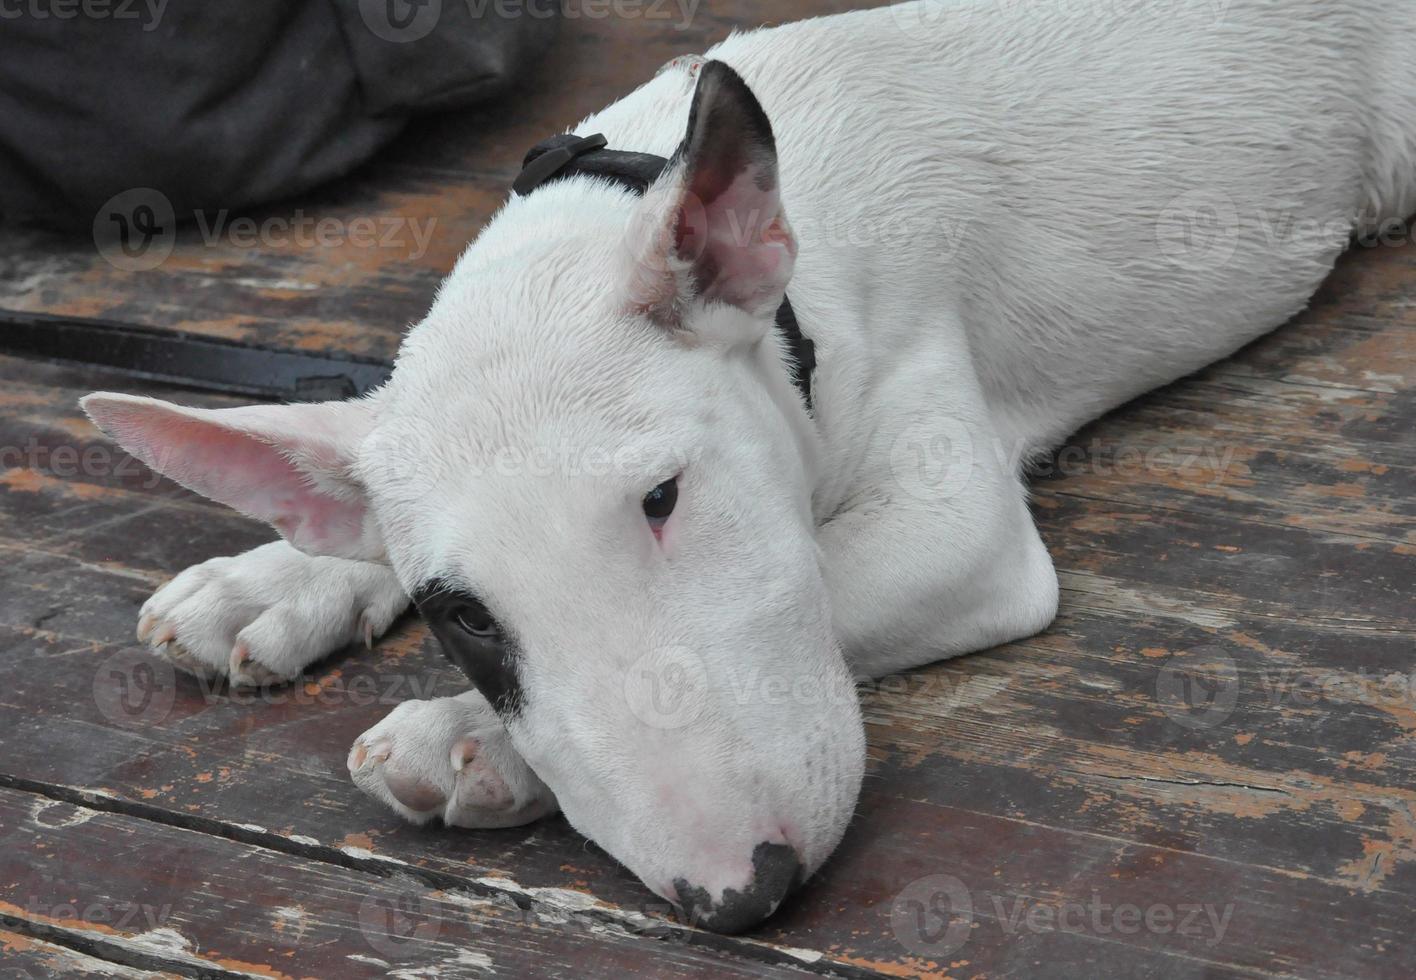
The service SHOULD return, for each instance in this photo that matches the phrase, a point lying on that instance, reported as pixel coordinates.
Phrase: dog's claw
(363, 755)
(379, 754)
(244, 671)
(240, 656)
(263, 617)
(464, 750)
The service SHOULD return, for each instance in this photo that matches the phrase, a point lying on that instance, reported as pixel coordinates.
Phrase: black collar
(569, 156)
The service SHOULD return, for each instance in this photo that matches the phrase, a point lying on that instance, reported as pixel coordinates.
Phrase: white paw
(264, 616)
(448, 758)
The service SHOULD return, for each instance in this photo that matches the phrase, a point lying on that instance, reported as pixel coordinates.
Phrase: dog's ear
(288, 465)
(712, 227)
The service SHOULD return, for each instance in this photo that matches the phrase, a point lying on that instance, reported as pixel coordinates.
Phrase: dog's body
(995, 209)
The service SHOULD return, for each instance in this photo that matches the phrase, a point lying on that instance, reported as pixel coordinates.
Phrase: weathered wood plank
(25, 956)
(1328, 459)
(191, 900)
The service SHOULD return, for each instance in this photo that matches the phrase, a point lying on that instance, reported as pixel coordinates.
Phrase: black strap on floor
(188, 359)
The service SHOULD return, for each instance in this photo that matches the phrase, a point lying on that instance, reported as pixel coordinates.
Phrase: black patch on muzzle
(776, 871)
(492, 665)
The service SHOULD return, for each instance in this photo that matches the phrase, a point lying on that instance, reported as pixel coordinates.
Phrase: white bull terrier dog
(592, 469)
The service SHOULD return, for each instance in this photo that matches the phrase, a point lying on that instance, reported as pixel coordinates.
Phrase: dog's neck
(569, 155)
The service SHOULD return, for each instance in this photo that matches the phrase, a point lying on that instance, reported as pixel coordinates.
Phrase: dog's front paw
(448, 758)
(264, 616)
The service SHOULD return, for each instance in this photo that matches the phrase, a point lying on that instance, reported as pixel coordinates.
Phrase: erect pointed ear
(288, 465)
(712, 227)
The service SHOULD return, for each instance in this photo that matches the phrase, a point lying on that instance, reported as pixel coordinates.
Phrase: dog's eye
(473, 640)
(659, 503)
(474, 619)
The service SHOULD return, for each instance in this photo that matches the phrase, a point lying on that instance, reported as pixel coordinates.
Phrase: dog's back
(1109, 195)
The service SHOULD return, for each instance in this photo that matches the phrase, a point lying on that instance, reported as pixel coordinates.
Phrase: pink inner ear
(738, 241)
(223, 461)
(256, 479)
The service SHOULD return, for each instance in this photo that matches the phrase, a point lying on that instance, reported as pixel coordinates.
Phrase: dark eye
(659, 503)
(472, 618)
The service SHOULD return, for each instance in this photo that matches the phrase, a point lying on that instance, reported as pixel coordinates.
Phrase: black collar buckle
(541, 167)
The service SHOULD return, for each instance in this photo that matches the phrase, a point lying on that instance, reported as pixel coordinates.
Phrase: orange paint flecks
(1366, 760)
(906, 967)
(361, 840)
(1350, 810)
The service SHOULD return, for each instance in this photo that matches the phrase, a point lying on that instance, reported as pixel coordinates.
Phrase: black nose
(775, 872)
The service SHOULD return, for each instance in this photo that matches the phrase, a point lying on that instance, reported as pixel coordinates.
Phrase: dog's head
(592, 473)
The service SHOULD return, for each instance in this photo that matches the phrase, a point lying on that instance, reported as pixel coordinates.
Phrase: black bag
(226, 104)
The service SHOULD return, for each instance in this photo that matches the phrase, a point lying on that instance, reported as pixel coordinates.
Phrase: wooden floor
(1205, 768)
